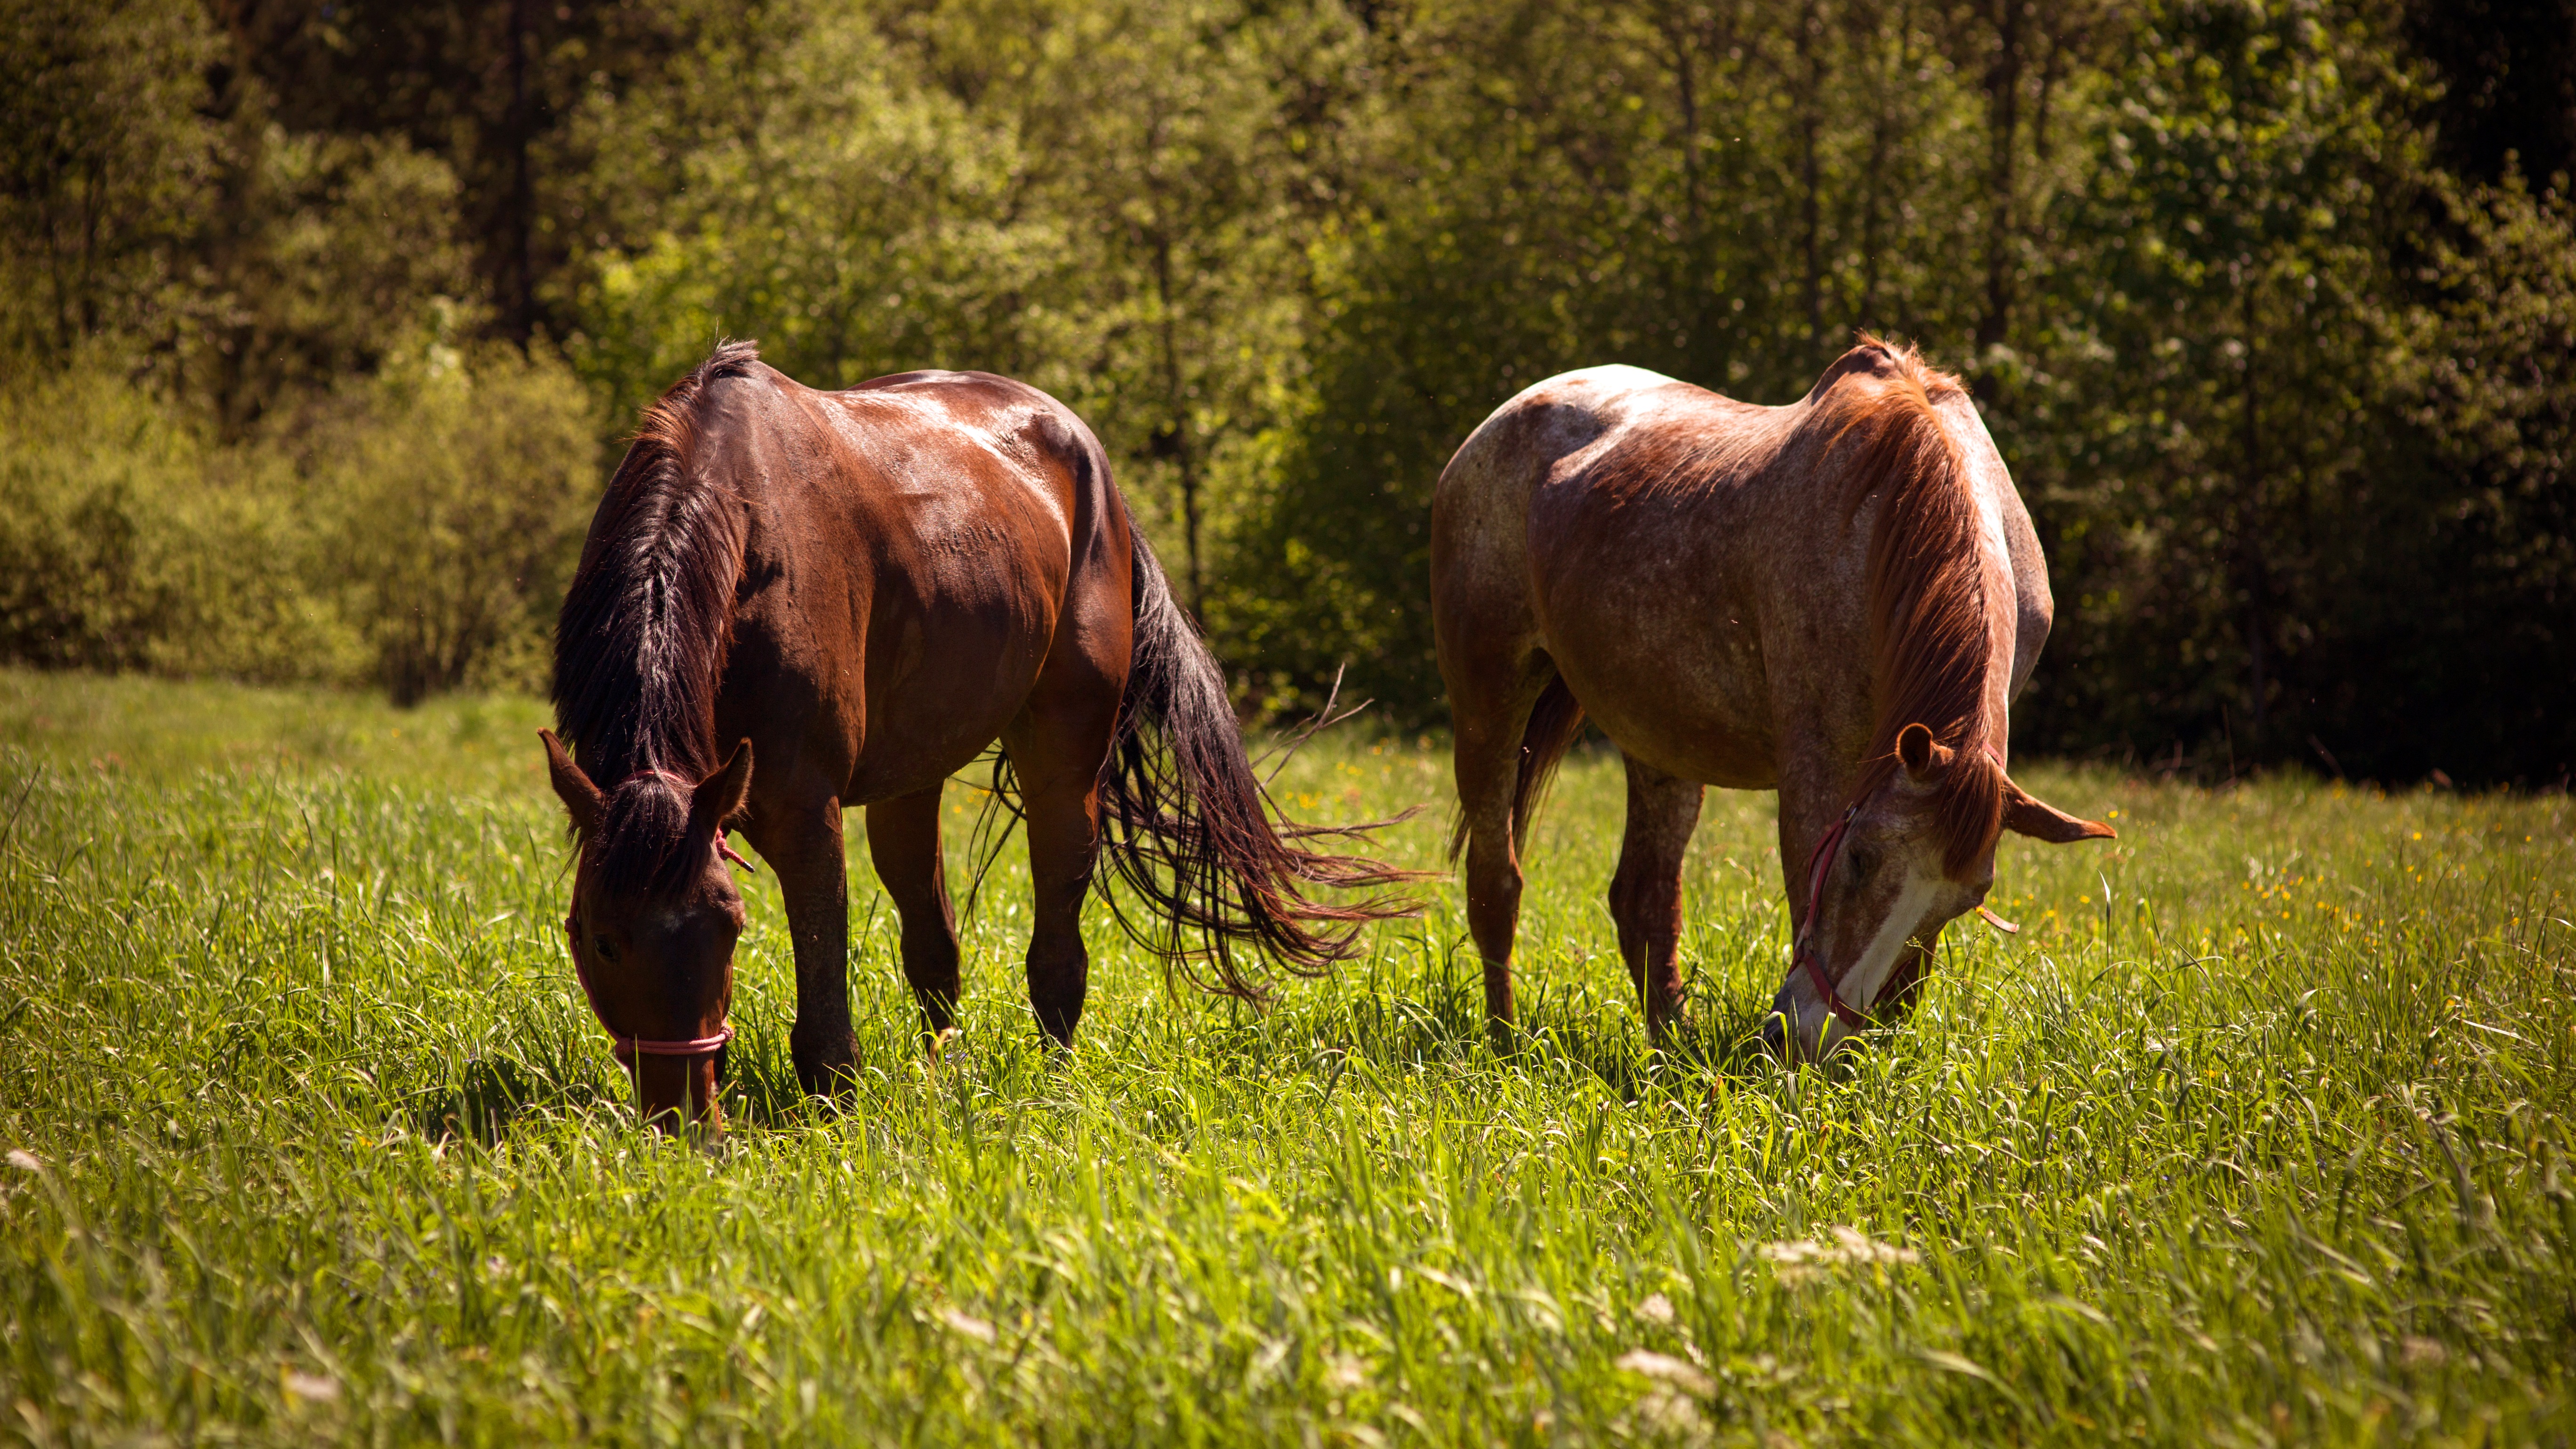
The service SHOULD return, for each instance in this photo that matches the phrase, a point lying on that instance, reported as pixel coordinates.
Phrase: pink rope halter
(628, 1048)
(1820, 863)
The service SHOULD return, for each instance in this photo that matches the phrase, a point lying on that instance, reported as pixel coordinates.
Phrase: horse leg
(806, 852)
(1057, 746)
(1646, 893)
(1063, 834)
(903, 843)
(1487, 758)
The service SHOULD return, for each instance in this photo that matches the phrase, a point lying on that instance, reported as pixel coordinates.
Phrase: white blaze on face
(1814, 1024)
(1860, 984)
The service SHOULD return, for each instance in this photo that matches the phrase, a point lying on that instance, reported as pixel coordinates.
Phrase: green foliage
(130, 544)
(337, 254)
(2261, 300)
(2488, 389)
(415, 530)
(455, 497)
(1033, 190)
(2256, 1135)
(104, 163)
(2203, 459)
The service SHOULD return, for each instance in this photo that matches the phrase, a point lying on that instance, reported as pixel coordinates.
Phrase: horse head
(655, 915)
(1915, 851)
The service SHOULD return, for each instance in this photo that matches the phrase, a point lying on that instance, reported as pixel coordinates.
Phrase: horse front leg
(1646, 893)
(805, 848)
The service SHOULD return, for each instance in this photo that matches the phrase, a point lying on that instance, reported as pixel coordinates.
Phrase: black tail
(1183, 821)
(1554, 724)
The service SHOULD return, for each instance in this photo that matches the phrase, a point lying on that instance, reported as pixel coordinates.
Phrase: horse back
(914, 548)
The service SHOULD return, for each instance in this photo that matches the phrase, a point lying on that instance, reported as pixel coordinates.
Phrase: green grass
(2257, 1134)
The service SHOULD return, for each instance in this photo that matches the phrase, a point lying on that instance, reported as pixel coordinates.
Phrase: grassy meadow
(2256, 1134)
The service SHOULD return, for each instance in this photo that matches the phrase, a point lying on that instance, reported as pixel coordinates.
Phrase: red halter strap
(1820, 862)
(628, 1048)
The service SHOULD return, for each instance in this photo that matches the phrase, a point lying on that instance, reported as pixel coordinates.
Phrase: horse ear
(2026, 814)
(572, 786)
(720, 796)
(1920, 754)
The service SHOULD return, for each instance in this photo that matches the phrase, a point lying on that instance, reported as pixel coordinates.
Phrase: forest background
(322, 322)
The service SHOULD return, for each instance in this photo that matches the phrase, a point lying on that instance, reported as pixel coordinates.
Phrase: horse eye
(1862, 863)
(606, 951)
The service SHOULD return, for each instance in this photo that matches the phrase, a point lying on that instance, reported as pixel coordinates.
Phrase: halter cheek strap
(1820, 862)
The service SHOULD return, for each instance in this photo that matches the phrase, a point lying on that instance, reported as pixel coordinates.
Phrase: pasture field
(2256, 1134)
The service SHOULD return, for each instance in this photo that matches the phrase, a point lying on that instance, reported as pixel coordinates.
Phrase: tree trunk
(1873, 184)
(1176, 437)
(518, 224)
(2003, 110)
(2252, 562)
(1811, 66)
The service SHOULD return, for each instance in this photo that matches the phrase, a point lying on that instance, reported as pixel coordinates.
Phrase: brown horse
(1837, 599)
(867, 589)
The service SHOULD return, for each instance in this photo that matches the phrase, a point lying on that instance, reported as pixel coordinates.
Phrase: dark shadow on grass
(757, 1084)
(494, 1093)
(1441, 1019)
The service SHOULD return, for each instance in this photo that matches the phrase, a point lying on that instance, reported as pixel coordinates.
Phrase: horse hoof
(829, 1072)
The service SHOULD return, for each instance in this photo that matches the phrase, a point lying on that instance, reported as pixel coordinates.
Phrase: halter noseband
(1820, 863)
(628, 1048)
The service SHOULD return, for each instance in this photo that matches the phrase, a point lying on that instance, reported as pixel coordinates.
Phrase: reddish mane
(1929, 632)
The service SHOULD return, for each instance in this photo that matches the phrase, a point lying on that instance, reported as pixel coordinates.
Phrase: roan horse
(1837, 599)
(867, 589)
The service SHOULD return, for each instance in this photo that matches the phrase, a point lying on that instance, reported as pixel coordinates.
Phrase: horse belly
(1694, 708)
(955, 645)
(1662, 650)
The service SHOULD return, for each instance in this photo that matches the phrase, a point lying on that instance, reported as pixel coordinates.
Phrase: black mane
(641, 643)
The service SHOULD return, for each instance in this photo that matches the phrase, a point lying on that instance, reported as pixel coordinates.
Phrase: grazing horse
(1836, 599)
(867, 589)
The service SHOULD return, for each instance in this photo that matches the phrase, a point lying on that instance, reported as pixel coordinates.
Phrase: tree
(106, 163)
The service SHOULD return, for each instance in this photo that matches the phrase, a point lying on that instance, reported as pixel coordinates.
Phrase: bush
(127, 543)
(417, 536)
(458, 496)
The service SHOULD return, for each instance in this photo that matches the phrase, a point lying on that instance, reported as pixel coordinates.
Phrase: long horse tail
(1183, 822)
(1555, 722)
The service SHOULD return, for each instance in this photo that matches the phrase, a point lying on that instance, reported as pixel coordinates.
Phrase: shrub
(126, 542)
(457, 496)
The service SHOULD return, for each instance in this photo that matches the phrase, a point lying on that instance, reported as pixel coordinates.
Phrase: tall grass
(2255, 1135)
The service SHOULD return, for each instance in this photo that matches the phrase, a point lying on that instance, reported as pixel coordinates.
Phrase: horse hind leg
(1646, 892)
(1057, 746)
(903, 842)
(1492, 751)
